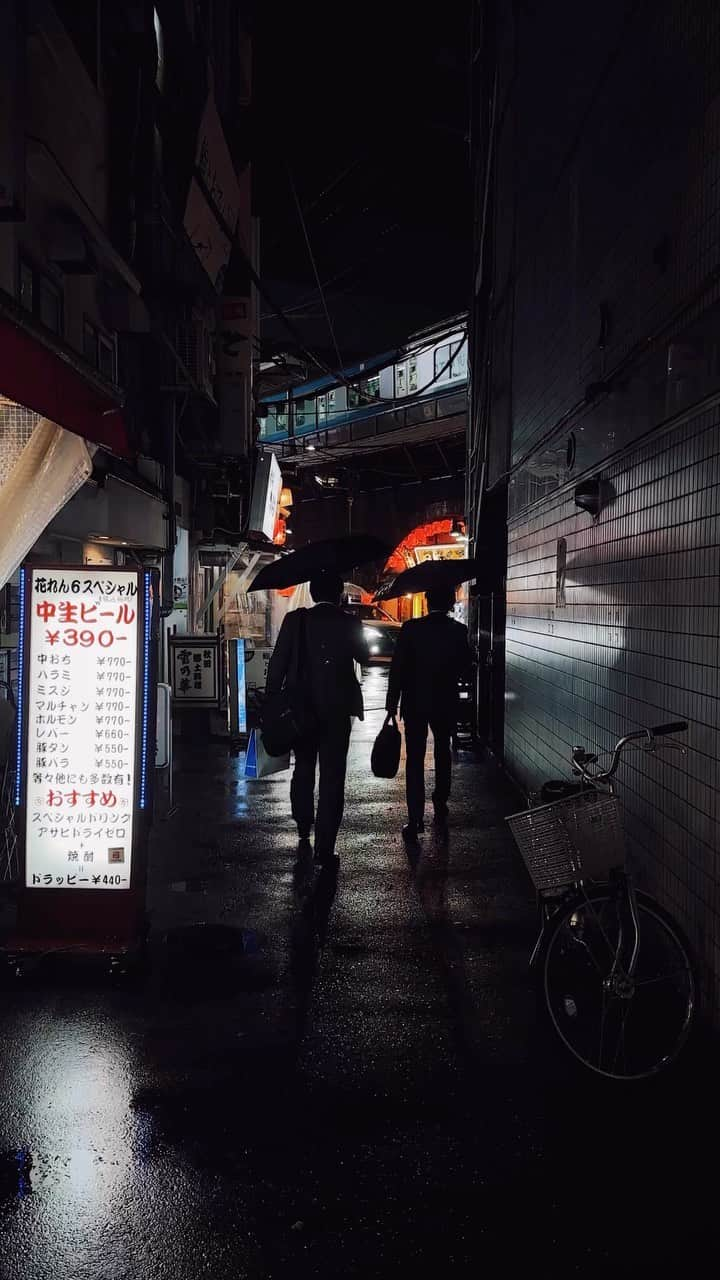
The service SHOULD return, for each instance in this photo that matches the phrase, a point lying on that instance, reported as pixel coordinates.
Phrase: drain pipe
(168, 560)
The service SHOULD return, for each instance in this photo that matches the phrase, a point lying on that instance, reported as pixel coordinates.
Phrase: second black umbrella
(428, 576)
(338, 554)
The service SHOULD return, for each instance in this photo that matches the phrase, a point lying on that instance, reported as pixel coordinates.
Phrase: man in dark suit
(431, 656)
(333, 641)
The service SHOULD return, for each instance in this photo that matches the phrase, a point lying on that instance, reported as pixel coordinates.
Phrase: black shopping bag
(385, 758)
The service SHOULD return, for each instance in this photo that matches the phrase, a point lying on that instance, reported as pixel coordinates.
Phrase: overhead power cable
(313, 264)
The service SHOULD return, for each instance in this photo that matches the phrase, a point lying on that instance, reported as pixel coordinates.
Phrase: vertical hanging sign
(84, 724)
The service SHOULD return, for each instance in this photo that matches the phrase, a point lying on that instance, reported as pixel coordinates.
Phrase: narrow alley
(330, 1084)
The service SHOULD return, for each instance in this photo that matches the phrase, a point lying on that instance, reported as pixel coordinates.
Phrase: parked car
(380, 628)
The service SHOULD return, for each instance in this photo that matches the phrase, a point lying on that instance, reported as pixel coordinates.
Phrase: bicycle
(615, 971)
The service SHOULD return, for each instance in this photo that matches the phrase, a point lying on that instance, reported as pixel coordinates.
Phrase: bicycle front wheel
(622, 1027)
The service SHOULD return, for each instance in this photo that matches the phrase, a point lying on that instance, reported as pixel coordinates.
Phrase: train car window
(364, 392)
(453, 355)
(442, 356)
(304, 412)
(325, 406)
(459, 366)
(406, 377)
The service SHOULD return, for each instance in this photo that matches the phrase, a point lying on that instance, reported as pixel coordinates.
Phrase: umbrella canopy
(338, 554)
(428, 576)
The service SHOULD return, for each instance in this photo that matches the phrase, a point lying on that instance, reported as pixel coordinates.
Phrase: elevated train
(432, 364)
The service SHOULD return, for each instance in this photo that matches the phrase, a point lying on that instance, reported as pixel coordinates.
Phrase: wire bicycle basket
(574, 839)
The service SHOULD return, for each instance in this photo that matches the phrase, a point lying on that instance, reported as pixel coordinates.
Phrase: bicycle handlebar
(675, 726)
(581, 760)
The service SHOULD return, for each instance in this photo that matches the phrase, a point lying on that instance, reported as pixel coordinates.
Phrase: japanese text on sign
(82, 700)
(194, 671)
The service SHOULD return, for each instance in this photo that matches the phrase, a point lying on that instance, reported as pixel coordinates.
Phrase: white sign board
(82, 696)
(256, 666)
(194, 670)
(266, 495)
(206, 236)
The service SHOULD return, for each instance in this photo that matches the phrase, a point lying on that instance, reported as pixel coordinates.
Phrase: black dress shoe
(329, 869)
(328, 861)
(412, 830)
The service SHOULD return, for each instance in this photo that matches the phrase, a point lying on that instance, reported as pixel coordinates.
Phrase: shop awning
(41, 379)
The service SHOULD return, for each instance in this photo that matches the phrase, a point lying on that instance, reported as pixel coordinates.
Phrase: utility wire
(313, 264)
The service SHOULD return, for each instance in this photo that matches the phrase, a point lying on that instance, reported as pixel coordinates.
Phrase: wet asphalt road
(332, 1085)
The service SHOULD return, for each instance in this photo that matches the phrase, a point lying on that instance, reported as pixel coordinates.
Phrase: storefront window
(50, 309)
(99, 350)
(40, 296)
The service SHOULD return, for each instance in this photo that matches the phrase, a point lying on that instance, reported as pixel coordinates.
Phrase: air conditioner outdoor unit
(196, 348)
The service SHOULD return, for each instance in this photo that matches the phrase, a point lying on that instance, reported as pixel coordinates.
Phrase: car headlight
(372, 633)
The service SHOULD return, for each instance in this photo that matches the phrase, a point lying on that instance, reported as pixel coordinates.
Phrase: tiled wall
(612, 290)
(635, 644)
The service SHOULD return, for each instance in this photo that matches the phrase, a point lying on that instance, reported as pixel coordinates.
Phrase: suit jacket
(333, 643)
(431, 656)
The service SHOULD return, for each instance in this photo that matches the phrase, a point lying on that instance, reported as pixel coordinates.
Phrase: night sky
(369, 120)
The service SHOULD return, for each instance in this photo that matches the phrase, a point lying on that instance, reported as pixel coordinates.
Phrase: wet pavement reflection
(328, 1075)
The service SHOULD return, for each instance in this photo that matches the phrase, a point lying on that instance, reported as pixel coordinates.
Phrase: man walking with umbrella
(332, 641)
(431, 656)
(316, 651)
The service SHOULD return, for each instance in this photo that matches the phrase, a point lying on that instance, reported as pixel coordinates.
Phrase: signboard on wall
(266, 494)
(85, 704)
(210, 242)
(195, 670)
(213, 200)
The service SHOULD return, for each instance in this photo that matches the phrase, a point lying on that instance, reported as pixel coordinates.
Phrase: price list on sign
(82, 713)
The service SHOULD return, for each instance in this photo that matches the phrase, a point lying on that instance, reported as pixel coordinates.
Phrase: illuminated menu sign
(83, 654)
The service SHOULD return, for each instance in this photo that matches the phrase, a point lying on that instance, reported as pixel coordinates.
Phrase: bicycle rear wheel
(625, 1029)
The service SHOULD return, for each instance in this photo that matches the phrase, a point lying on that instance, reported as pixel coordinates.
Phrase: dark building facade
(594, 441)
(126, 304)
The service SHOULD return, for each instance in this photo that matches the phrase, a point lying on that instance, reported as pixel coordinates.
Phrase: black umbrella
(339, 554)
(428, 576)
